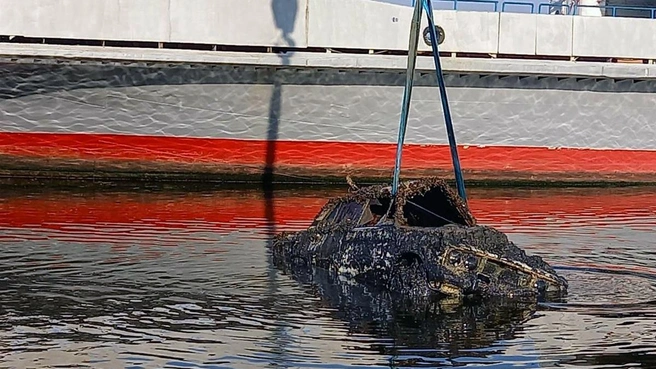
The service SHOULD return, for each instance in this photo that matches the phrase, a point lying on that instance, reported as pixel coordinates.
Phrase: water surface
(162, 278)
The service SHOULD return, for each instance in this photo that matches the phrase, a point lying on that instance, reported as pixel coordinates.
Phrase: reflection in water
(181, 278)
(428, 329)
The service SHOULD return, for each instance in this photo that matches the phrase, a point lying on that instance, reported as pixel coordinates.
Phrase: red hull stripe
(236, 209)
(122, 220)
(322, 154)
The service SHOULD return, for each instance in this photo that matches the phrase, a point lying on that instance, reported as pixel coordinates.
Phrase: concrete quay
(325, 24)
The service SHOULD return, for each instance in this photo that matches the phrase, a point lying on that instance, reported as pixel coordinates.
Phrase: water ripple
(182, 279)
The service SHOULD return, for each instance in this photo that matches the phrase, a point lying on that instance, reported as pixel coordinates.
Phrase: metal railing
(652, 11)
(533, 8)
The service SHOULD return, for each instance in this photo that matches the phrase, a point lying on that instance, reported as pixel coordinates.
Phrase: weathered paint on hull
(86, 154)
(184, 121)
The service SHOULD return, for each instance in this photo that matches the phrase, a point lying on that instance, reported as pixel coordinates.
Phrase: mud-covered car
(428, 246)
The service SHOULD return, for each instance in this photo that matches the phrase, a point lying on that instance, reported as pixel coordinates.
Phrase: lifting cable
(426, 5)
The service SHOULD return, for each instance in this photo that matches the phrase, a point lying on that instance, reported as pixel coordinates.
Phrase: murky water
(148, 278)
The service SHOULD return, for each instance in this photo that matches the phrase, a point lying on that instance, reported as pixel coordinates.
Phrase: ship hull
(138, 157)
(309, 123)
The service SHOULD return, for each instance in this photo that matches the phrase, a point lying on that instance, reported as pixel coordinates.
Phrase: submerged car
(446, 327)
(425, 243)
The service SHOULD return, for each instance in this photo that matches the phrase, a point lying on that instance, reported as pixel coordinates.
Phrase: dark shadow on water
(270, 159)
(435, 329)
(284, 12)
